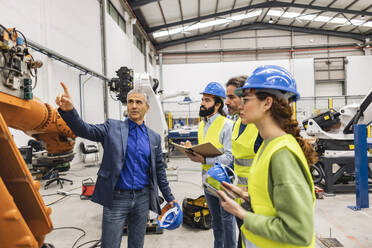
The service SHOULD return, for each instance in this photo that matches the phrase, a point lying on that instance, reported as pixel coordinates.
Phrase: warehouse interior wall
(321, 64)
(194, 77)
(268, 44)
(73, 29)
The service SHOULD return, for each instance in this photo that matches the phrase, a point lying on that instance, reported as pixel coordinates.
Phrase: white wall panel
(194, 77)
(27, 16)
(358, 75)
(118, 47)
(205, 44)
(74, 31)
(239, 43)
(268, 42)
(121, 51)
(138, 60)
(240, 34)
(93, 107)
(303, 72)
(328, 89)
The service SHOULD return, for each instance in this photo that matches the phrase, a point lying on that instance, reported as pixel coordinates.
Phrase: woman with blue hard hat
(280, 187)
(216, 129)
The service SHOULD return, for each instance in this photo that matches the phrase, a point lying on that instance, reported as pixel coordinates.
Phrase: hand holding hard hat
(171, 216)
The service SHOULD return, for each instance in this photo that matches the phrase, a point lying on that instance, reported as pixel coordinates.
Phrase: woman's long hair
(282, 115)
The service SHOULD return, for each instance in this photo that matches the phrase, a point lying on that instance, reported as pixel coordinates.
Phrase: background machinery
(334, 142)
(155, 119)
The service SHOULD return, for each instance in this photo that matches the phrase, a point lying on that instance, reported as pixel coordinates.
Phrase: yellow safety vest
(243, 151)
(258, 188)
(213, 135)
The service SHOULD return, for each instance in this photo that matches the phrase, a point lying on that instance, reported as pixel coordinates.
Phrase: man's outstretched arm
(78, 126)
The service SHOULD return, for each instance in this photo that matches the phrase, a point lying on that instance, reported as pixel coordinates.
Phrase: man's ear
(217, 105)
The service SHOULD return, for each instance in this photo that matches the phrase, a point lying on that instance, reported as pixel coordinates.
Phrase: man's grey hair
(140, 91)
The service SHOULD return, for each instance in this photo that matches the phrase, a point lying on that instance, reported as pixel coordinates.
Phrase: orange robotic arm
(39, 120)
(24, 218)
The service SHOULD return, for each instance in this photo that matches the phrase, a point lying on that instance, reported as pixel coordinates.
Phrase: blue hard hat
(219, 173)
(171, 217)
(214, 88)
(272, 77)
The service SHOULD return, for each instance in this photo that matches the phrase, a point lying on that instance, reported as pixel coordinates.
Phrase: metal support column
(361, 167)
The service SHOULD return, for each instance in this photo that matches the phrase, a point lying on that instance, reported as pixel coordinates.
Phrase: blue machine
(361, 167)
(183, 134)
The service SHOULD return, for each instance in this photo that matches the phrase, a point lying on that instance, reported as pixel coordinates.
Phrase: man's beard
(203, 112)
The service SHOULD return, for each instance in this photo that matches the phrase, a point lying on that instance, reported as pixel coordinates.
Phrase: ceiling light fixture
(271, 20)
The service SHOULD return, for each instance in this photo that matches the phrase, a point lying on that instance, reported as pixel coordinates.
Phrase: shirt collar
(133, 125)
(233, 117)
(212, 118)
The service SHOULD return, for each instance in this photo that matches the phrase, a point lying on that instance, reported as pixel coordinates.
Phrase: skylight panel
(245, 16)
(201, 25)
(275, 12)
(307, 17)
(367, 24)
(338, 20)
(290, 14)
(322, 18)
(356, 22)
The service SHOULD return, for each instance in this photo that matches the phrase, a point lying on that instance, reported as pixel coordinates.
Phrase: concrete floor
(351, 228)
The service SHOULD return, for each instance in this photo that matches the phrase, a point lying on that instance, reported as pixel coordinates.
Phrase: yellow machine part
(24, 218)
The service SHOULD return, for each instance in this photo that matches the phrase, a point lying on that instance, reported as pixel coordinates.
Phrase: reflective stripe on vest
(242, 181)
(213, 135)
(243, 150)
(258, 187)
(243, 161)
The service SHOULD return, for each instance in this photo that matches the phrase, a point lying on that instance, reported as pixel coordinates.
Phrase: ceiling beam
(255, 26)
(271, 4)
(139, 3)
(266, 50)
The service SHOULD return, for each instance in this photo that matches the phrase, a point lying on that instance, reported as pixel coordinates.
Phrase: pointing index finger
(65, 89)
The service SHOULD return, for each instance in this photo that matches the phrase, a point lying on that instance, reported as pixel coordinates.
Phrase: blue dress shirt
(135, 172)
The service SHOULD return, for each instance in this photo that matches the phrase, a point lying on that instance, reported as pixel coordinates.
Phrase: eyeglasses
(248, 98)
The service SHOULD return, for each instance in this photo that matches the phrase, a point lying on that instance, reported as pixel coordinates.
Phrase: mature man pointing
(131, 172)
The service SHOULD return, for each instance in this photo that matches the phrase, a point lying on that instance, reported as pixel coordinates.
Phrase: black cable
(112, 97)
(49, 194)
(97, 244)
(24, 37)
(79, 187)
(9, 69)
(63, 197)
(71, 227)
(35, 76)
(5, 61)
(5, 29)
(35, 80)
(60, 199)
